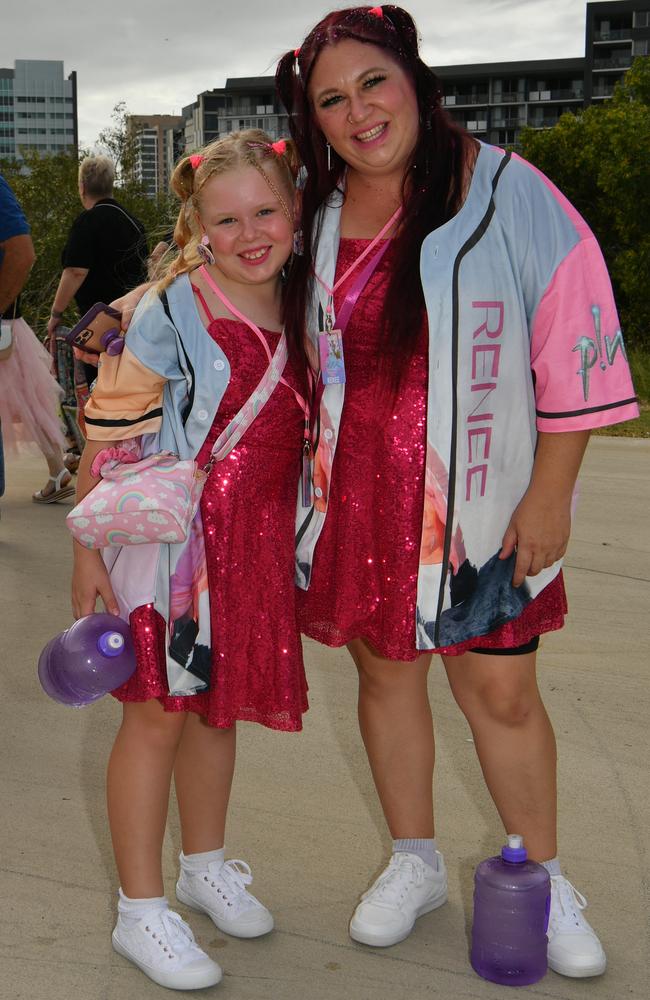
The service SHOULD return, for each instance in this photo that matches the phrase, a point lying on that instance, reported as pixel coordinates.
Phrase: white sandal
(59, 492)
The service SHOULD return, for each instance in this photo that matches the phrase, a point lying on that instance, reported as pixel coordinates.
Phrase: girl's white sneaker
(221, 891)
(163, 947)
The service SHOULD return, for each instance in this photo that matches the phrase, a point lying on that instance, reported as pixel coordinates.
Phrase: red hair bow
(279, 147)
(376, 11)
(196, 160)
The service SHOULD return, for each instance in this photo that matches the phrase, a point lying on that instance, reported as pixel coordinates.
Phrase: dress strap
(197, 291)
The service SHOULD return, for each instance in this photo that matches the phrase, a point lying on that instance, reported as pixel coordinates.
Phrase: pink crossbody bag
(155, 499)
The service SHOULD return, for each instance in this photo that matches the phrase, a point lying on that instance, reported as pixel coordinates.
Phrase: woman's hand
(126, 305)
(539, 532)
(541, 523)
(90, 580)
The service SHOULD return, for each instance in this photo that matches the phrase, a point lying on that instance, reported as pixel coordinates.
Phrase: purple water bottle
(512, 898)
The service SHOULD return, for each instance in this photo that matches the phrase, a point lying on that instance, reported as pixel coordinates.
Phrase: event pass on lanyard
(330, 350)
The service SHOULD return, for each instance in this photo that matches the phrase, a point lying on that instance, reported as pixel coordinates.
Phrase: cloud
(157, 55)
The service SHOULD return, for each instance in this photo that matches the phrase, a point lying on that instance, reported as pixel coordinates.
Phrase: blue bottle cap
(514, 851)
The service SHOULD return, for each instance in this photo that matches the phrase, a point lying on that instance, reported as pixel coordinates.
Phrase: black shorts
(528, 647)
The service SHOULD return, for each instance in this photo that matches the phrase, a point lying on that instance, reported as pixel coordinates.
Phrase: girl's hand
(90, 580)
(127, 303)
(539, 532)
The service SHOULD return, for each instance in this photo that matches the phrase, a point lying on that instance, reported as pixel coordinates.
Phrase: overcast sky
(157, 55)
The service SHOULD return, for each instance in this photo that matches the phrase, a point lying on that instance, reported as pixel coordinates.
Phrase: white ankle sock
(424, 848)
(199, 862)
(131, 911)
(552, 866)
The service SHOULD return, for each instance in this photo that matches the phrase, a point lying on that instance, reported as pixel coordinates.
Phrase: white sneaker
(163, 946)
(573, 946)
(220, 891)
(405, 890)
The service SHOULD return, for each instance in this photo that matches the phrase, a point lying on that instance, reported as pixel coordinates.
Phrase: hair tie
(376, 12)
(279, 147)
(196, 160)
(296, 53)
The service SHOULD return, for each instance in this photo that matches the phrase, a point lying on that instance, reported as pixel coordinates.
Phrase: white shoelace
(235, 875)
(567, 916)
(171, 932)
(391, 884)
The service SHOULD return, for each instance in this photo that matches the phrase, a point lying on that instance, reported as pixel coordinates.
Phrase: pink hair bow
(196, 160)
(376, 11)
(279, 147)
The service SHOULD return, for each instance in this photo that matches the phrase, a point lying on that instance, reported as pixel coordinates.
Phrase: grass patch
(640, 366)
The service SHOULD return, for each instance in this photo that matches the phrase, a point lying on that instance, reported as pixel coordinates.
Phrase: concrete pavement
(304, 811)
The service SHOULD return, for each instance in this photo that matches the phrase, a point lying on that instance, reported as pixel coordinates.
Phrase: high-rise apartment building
(38, 109)
(159, 141)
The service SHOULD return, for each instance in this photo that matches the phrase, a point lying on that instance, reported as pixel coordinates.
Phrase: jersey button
(202, 415)
(219, 365)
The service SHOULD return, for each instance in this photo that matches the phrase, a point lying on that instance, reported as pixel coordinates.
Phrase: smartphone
(97, 330)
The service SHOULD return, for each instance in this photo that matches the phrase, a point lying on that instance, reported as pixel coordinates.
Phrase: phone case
(98, 330)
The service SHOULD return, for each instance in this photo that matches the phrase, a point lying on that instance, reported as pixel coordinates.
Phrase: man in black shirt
(106, 251)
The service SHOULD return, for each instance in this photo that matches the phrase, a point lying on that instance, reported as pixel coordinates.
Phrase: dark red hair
(433, 183)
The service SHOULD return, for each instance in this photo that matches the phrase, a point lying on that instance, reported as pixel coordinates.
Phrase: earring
(298, 243)
(204, 250)
(329, 156)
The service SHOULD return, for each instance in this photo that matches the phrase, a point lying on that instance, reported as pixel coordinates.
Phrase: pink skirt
(29, 395)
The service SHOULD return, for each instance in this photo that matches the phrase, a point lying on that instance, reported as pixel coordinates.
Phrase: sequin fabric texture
(364, 579)
(248, 511)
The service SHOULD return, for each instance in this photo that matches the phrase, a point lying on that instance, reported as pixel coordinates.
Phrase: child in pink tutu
(29, 395)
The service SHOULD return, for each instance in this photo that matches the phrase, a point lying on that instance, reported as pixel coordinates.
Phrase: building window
(641, 19)
(640, 47)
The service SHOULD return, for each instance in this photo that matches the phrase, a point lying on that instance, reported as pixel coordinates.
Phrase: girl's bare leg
(203, 773)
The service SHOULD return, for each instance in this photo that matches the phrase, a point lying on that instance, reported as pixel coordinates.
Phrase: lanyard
(256, 330)
(302, 403)
(366, 274)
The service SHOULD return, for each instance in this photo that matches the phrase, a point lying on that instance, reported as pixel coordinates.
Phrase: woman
(442, 500)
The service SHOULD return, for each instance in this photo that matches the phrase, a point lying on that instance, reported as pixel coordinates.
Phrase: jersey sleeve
(127, 398)
(580, 369)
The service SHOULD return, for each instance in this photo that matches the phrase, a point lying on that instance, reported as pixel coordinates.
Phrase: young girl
(196, 349)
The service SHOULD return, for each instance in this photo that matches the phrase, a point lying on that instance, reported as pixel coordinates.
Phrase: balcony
(476, 126)
(544, 122)
(555, 95)
(614, 35)
(244, 111)
(509, 98)
(507, 122)
(614, 62)
(459, 99)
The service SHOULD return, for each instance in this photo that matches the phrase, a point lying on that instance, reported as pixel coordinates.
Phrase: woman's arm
(90, 578)
(540, 526)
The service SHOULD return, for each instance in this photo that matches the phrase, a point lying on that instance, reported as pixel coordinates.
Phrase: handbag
(156, 498)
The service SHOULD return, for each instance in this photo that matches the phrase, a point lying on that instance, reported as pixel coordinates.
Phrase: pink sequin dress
(364, 578)
(248, 511)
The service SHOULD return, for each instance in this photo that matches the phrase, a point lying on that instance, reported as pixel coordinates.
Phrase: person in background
(29, 395)
(106, 251)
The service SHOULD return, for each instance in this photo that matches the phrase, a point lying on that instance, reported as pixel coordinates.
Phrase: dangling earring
(298, 243)
(329, 157)
(204, 250)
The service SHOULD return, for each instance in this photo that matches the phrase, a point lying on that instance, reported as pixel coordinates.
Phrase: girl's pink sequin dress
(365, 571)
(248, 512)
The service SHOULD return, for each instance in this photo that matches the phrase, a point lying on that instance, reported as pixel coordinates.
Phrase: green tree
(600, 159)
(47, 189)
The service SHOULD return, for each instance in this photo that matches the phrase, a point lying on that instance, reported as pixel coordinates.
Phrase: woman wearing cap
(468, 300)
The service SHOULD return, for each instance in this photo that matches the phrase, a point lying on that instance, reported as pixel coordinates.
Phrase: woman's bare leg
(397, 731)
(514, 740)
